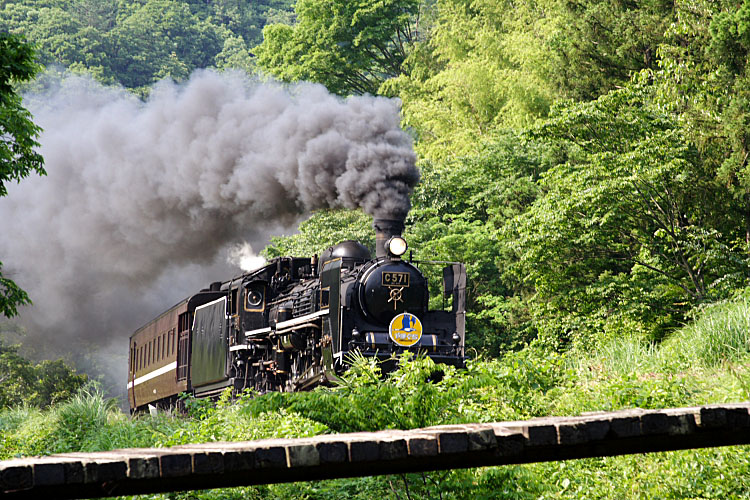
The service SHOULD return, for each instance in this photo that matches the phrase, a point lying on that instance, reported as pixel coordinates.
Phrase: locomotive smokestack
(384, 230)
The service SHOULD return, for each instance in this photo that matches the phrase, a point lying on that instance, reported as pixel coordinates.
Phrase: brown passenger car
(160, 354)
(157, 350)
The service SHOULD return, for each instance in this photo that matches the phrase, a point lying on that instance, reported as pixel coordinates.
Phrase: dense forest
(586, 159)
(571, 231)
(134, 43)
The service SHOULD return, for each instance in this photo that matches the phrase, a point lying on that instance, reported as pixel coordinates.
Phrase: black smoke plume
(143, 200)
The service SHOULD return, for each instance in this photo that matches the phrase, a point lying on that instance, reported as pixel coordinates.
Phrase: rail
(214, 465)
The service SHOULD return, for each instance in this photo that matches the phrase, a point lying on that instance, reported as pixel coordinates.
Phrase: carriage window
(182, 356)
(184, 321)
(163, 344)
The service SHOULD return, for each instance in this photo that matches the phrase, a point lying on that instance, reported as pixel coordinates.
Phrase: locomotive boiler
(293, 324)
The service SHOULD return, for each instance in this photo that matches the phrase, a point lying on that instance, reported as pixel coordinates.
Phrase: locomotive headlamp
(396, 246)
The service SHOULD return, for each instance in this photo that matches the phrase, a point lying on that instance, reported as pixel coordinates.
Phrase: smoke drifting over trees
(143, 200)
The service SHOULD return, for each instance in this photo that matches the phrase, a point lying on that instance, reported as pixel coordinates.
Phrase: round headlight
(396, 246)
(254, 298)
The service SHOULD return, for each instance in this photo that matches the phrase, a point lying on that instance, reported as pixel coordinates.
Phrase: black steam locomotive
(290, 325)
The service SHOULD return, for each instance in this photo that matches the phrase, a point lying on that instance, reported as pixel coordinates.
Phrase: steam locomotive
(292, 324)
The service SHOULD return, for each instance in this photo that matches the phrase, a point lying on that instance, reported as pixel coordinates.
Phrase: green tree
(350, 46)
(18, 159)
(61, 36)
(235, 55)
(633, 229)
(98, 14)
(40, 385)
(160, 38)
(600, 44)
(134, 42)
(488, 65)
(460, 212)
(705, 79)
(485, 66)
(247, 19)
(322, 230)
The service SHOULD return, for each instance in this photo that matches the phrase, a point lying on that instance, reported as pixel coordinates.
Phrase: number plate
(395, 279)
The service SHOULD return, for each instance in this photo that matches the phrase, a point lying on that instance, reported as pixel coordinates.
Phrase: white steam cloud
(243, 256)
(144, 201)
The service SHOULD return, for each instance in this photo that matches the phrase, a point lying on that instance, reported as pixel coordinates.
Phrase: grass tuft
(720, 335)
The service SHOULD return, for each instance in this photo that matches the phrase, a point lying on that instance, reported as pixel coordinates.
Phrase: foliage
(39, 385)
(225, 421)
(17, 141)
(323, 229)
(703, 79)
(135, 43)
(11, 297)
(721, 334)
(81, 418)
(235, 55)
(418, 393)
(599, 45)
(484, 66)
(587, 160)
(18, 159)
(461, 210)
(632, 227)
(531, 382)
(350, 46)
(157, 39)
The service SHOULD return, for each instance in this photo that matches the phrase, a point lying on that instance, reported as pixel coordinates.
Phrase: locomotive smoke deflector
(385, 230)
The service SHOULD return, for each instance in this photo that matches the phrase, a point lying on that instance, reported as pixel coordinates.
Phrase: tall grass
(616, 356)
(721, 334)
(703, 362)
(82, 418)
